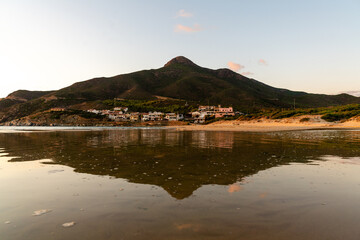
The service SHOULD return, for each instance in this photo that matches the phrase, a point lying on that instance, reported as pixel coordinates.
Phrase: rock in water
(41, 212)
(68, 224)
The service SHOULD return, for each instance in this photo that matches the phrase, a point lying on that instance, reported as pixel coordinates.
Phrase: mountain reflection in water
(179, 162)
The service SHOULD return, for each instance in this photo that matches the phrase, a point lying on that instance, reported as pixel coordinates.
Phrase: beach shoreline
(304, 122)
(313, 122)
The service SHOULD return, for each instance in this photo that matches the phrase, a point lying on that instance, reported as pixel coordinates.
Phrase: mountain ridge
(180, 79)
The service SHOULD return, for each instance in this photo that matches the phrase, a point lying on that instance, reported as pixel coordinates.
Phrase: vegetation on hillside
(166, 106)
(70, 112)
(330, 114)
(6, 103)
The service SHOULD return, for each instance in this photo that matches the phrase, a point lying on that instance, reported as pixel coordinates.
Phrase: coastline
(314, 122)
(304, 122)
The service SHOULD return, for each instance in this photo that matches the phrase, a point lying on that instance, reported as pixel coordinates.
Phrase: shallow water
(165, 184)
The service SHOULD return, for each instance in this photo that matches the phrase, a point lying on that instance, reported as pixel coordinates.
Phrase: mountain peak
(180, 60)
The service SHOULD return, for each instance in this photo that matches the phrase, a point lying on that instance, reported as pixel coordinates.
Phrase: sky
(308, 45)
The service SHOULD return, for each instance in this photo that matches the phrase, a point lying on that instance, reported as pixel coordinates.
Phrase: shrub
(337, 116)
(306, 119)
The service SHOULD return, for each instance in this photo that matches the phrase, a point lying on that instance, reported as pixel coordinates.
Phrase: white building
(170, 117)
(121, 109)
(155, 116)
(145, 117)
(122, 117)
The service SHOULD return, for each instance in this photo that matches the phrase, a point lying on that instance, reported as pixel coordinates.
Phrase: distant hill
(25, 95)
(21, 96)
(179, 79)
(354, 93)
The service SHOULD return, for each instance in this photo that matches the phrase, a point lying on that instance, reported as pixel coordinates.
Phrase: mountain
(21, 96)
(180, 79)
(25, 95)
(354, 93)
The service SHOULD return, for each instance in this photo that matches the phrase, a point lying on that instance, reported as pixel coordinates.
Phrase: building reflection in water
(147, 137)
(205, 139)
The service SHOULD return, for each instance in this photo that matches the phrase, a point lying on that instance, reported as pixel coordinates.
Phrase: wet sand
(146, 184)
(273, 125)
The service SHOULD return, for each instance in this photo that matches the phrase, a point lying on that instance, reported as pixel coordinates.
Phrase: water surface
(165, 184)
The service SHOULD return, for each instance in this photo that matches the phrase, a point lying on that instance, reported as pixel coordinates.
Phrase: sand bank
(306, 122)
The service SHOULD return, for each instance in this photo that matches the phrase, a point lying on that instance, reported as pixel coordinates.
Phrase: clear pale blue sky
(308, 45)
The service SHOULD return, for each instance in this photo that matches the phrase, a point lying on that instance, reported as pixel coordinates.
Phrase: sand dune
(304, 122)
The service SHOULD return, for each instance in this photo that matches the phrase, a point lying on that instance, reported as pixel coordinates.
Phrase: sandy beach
(305, 122)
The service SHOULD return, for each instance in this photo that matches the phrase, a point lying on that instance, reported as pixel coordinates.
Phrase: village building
(199, 117)
(195, 114)
(134, 117)
(204, 113)
(180, 117)
(224, 112)
(170, 117)
(174, 117)
(119, 117)
(155, 116)
(121, 109)
(217, 112)
(93, 111)
(105, 112)
(145, 117)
